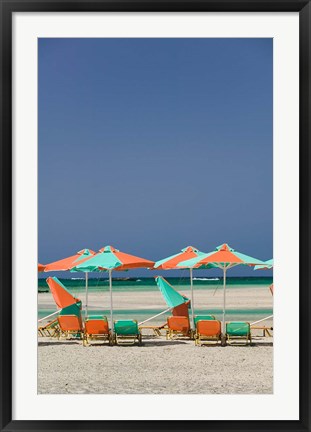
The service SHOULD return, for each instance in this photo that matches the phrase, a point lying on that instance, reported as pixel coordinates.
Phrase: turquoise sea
(143, 284)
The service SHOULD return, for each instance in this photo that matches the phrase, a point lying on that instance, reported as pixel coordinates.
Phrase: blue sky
(151, 145)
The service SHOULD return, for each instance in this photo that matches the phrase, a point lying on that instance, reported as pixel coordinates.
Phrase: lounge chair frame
(156, 329)
(88, 338)
(265, 330)
(127, 339)
(174, 334)
(200, 339)
(247, 338)
(50, 329)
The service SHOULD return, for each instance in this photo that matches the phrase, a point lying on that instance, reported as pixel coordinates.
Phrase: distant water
(149, 284)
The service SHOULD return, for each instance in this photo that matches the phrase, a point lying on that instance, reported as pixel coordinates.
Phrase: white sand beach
(159, 366)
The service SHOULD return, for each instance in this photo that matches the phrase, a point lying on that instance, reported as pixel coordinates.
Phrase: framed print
(155, 215)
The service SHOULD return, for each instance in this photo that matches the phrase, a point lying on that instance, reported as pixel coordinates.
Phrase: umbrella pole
(224, 305)
(86, 293)
(192, 302)
(110, 287)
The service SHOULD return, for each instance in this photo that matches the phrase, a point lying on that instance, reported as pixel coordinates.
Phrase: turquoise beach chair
(238, 330)
(126, 332)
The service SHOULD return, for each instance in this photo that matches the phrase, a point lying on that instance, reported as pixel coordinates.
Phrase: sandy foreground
(159, 366)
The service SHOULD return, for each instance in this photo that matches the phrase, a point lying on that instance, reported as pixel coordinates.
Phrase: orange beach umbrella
(268, 265)
(172, 262)
(110, 259)
(224, 257)
(62, 297)
(41, 267)
(67, 263)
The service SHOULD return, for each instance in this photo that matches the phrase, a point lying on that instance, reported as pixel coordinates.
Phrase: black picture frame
(8, 7)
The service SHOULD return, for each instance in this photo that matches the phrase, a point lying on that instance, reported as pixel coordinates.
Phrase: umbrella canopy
(177, 303)
(41, 267)
(64, 300)
(61, 295)
(110, 259)
(66, 263)
(224, 257)
(267, 265)
(172, 262)
(171, 297)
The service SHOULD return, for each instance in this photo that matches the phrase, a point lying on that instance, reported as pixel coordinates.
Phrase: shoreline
(147, 302)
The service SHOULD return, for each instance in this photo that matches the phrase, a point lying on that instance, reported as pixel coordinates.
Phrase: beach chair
(266, 331)
(126, 332)
(238, 330)
(70, 325)
(96, 328)
(50, 329)
(207, 330)
(178, 326)
(155, 328)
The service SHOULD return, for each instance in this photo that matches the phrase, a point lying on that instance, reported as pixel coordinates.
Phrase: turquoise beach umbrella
(67, 263)
(224, 257)
(172, 262)
(267, 265)
(171, 297)
(109, 259)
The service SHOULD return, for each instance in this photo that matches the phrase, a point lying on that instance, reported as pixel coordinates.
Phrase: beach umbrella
(177, 303)
(65, 301)
(109, 259)
(172, 298)
(225, 258)
(41, 267)
(268, 265)
(63, 298)
(66, 264)
(172, 262)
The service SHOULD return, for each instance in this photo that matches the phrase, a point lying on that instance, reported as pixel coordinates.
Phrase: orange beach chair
(178, 326)
(70, 325)
(207, 330)
(96, 328)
